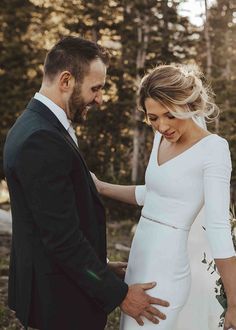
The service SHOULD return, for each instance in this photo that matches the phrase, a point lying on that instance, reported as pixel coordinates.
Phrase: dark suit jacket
(58, 274)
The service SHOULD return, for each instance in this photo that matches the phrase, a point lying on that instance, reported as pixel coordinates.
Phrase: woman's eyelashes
(152, 118)
(168, 115)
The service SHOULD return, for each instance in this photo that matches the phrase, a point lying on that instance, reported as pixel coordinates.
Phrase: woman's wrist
(101, 187)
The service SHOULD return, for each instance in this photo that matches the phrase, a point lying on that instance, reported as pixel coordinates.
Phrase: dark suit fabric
(58, 274)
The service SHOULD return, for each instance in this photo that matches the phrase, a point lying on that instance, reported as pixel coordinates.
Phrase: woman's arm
(121, 193)
(128, 194)
(217, 172)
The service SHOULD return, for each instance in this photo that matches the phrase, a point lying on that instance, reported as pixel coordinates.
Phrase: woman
(189, 167)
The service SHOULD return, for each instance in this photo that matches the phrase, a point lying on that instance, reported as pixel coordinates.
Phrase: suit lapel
(69, 140)
(43, 110)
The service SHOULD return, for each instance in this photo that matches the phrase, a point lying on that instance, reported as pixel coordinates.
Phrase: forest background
(140, 34)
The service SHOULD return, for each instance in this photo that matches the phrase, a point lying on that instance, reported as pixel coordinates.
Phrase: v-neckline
(181, 153)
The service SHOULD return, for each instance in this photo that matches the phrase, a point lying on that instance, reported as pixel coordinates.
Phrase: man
(58, 277)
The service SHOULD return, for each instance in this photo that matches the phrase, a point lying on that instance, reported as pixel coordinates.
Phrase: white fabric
(202, 305)
(159, 253)
(140, 193)
(199, 176)
(59, 113)
(71, 131)
(202, 310)
(174, 194)
(200, 121)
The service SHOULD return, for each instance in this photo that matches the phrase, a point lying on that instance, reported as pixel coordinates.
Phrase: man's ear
(66, 81)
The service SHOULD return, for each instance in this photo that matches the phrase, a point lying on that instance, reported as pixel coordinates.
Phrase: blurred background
(140, 34)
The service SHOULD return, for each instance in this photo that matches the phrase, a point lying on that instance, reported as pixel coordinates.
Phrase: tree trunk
(209, 56)
(208, 42)
(138, 135)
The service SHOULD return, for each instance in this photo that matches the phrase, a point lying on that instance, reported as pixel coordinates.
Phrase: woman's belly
(159, 253)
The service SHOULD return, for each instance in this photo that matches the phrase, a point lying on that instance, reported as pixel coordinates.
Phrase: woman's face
(164, 122)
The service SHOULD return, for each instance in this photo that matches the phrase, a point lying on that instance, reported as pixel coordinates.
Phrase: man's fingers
(156, 312)
(148, 286)
(139, 320)
(157, 301)
(150, 317)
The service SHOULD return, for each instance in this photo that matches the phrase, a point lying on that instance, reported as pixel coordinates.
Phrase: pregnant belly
(159, 253)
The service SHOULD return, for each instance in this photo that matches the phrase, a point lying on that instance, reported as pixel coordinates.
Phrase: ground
(119, 238)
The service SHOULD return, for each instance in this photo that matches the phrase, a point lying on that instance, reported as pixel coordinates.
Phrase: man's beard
(77, 106)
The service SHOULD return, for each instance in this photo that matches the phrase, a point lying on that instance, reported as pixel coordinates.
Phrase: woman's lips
(168, 135)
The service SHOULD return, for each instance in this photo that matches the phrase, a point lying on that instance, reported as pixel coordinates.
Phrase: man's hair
(73, 54)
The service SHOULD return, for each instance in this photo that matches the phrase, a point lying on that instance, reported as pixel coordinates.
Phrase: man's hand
(138, 303)
(230, 319)
(118, 268)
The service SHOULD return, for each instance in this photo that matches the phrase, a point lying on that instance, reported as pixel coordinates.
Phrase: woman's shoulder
(213, 139)
(216, 149)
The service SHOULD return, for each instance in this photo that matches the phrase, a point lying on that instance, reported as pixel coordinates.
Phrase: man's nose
(98, 98)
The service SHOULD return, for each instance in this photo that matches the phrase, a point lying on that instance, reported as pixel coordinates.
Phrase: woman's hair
(180, 89)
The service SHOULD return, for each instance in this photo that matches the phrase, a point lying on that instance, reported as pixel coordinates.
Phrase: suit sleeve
(43, 169)
(217, 172)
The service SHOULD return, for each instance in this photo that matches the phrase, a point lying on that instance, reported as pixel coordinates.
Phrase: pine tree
(222, 38)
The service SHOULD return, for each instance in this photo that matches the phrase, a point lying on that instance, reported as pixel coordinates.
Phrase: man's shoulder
(27, 124)
(32, 131)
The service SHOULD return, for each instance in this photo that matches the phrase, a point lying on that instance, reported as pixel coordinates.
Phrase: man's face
(89, 92)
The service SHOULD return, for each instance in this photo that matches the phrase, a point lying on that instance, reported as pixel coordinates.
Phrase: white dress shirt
(59, 113)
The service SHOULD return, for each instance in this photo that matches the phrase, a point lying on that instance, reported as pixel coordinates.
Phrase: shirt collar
(57, 111)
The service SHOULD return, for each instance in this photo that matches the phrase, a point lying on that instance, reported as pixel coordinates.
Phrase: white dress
(202, 306)
(173, 195)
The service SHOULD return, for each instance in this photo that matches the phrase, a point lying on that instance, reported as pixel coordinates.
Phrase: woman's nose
(163, 126)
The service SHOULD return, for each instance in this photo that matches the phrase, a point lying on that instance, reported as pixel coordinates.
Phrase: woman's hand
(230, 319)
(120, 193)
(96, 182)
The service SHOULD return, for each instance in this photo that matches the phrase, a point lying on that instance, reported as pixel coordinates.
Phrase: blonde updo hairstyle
(181, 90)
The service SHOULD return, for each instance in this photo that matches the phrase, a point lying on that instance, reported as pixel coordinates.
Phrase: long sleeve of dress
(140, 192)
(217, 172)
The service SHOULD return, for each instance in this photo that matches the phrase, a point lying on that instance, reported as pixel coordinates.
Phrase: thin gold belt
(164, 224)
